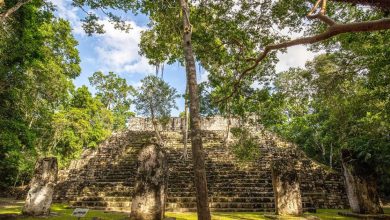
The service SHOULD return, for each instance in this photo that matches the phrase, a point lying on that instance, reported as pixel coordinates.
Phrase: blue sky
(117, 51)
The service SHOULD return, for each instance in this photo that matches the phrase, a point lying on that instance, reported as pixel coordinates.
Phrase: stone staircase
(104, 178)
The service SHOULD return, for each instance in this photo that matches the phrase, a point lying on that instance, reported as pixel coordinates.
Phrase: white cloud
(118, 51)
(65, 10)
(204, 76)
(136, 84)
(114, 50)
(295, 56)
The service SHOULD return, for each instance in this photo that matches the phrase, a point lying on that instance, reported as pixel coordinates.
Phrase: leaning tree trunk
(361, 186)
(40, 195)
(196, 136)
(155, 127)
(157, 132)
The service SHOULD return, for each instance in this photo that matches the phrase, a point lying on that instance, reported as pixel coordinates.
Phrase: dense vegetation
(42, 113)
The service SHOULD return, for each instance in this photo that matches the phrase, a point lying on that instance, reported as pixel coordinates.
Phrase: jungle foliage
(41, 111)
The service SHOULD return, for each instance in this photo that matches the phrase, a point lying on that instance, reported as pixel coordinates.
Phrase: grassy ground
(10, 209)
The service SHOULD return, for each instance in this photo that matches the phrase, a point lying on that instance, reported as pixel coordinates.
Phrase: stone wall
(216, 123)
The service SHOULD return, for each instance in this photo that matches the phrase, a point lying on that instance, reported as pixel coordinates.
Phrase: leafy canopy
(155, 98)
(114, 92)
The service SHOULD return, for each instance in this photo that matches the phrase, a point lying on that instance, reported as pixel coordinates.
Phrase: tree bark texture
(361, 186)
(39, 197)
(185, 128)
(157, 132)
(155, 125)
(148, 202)
(227, 139)
(203, 209)
(285, 181)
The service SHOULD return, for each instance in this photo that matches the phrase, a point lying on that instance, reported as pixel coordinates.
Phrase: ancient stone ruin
(361, 187)
(39, 197)
(286, 183)
(105, 178)
(148, 200)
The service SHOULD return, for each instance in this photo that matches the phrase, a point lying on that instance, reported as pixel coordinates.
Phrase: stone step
(113, 209)
(224, 205)
(221, 178)
(227, 189)
(218, 194)
(266, 210)
(100, 204)
(104, 198)
(102, 194)
(265, 198)
(239, 183)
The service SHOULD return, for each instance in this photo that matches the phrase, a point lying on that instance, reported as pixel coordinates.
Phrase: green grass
(63, 212)
(60, 211)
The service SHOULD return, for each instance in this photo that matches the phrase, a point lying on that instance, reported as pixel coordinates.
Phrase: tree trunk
(227, 135)
(40, 195)
(361, 187)
(226, 140)
(13, 9)
(155, 127)
(331, 156)
(17, 178)
(157, 132)
(148, 202)
(196, 136)
(185, 127)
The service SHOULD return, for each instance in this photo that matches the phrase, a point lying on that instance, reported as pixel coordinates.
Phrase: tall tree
(82, 124)
(114, 93)
(196, 135)
(155, 98)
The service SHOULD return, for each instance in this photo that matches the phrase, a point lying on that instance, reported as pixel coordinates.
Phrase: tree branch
(333, 29)
(12, 10)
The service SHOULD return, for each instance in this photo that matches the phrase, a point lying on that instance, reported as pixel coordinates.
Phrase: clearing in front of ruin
(10, 208)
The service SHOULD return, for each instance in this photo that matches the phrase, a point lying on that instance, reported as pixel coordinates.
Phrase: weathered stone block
(149, 196)
(285, 180)
(39, 197)
(361, 186)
